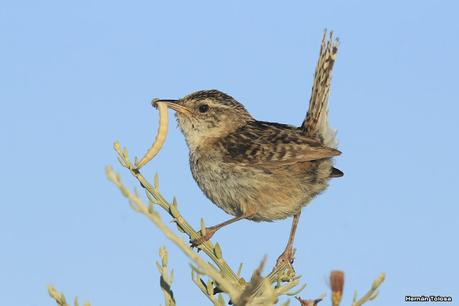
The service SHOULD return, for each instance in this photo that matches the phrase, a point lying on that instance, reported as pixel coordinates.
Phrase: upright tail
(316, 122)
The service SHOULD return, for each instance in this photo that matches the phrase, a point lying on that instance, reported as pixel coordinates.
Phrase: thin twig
(372, 293)
(166, 279)
(60, 298)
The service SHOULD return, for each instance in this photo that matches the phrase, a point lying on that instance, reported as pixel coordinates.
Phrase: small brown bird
(257, 170)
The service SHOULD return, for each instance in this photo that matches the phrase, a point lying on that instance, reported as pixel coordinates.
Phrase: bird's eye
(203, 108)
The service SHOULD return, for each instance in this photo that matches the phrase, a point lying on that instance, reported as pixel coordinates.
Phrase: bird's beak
(172, 104)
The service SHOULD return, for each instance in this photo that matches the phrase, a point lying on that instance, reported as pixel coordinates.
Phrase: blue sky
(75, 76)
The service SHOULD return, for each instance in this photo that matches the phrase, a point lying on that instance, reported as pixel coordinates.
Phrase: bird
(259, 170)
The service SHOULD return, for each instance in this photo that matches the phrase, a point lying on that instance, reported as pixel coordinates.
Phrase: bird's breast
(216, 180)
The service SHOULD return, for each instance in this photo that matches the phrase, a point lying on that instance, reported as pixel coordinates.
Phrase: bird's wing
(272, 144)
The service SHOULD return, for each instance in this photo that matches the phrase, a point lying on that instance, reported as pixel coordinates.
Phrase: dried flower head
(337, 284)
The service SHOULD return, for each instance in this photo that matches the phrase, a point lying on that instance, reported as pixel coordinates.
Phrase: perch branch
(224, 283)
(171, 208)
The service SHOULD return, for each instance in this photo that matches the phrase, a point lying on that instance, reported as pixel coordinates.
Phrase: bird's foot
(286, 259)
(209, 232)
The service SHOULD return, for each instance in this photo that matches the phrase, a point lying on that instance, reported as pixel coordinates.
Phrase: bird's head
(206, 115)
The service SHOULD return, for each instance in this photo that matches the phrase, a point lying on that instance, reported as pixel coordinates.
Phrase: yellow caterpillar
(160, 136)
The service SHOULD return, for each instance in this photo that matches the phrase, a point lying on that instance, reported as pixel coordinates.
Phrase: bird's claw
(287, 257)
(198, 241)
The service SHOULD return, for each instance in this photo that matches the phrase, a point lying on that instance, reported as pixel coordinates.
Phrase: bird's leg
(287, 255)
(210, 231)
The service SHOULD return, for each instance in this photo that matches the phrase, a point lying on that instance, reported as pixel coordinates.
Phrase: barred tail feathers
(316, 122)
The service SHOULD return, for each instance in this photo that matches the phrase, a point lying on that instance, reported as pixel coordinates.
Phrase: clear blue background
(75, 76)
